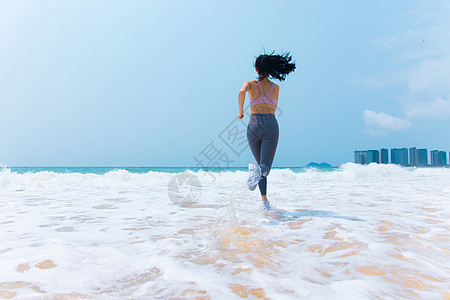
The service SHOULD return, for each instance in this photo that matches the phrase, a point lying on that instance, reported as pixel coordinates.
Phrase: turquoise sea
(143, 170)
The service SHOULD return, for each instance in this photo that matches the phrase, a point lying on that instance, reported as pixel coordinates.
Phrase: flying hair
(274, 65)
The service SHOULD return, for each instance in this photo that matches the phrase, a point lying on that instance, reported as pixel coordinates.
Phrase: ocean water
(353, 232)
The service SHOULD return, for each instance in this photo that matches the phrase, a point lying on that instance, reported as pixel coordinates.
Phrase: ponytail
(274, 65)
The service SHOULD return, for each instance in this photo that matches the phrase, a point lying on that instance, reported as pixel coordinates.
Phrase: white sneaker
(254, 175)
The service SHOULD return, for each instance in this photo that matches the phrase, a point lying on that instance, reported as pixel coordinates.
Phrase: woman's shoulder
(252, 83)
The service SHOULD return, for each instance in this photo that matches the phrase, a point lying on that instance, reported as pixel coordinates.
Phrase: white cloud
(420, 64)
(377, 123)
(396, 39)
(384, 121)
(427, 36)
(430, 75)
(436, 108)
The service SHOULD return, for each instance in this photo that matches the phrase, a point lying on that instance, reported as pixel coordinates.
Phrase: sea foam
(356, 232)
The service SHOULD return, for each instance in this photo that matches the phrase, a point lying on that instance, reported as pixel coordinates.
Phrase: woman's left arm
(244, 89)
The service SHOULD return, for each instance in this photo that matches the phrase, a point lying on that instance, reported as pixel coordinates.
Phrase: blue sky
(155, 83)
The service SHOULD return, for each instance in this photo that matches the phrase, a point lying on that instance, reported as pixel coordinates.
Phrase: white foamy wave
(349, 171)
(354, 232)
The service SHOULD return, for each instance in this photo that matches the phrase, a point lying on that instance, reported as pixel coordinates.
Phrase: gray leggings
(262, 136)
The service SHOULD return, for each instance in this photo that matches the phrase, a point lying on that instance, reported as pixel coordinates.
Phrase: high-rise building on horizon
(373, 156)
(361, 157)
(413, 156)
(443, 156)
(438, 158)
(384, 156)
(399, 156)
(434, 157)
(423, 157)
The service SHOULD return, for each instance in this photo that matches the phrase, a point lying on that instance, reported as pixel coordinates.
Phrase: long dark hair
(274, 65)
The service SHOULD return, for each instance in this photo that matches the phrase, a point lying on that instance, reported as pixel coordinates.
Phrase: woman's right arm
(244, 89)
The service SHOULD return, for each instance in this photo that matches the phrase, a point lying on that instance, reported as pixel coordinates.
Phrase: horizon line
(69, 166)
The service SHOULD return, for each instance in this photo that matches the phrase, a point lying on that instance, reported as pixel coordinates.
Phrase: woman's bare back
(253, 92)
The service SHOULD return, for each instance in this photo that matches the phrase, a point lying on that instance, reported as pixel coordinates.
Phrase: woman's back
(265, 103)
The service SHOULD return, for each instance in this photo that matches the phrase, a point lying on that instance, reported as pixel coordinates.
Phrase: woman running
(262, 129)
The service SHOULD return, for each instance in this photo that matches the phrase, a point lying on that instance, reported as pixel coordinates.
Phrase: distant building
(384, 156)
(399, 156)
(361, 157)
(443, 156)
(423, 157)
(413, 156)
(438, 158)
(434, 157)
(373, 156)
